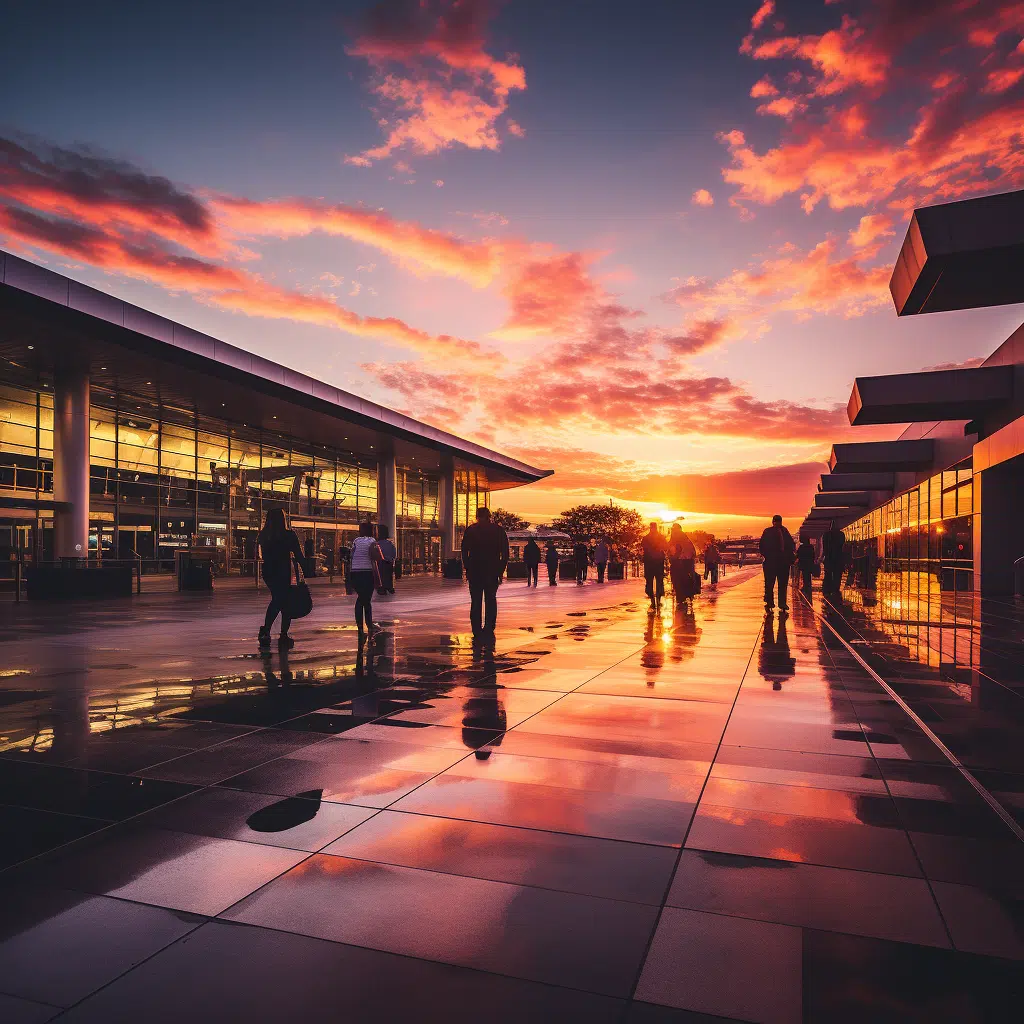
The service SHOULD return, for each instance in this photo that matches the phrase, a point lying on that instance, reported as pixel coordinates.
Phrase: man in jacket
(712, 560)
(654, 547)
(485, 555)
(531, 556)
(579, 554)
(601, 553)
(551, 560)
(778, 550)
(389, 555)
(805, 561)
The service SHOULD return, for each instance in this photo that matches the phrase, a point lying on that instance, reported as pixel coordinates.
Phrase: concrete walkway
(609, 816)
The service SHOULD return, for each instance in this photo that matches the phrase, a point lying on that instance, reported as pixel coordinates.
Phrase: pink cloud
(702, 197)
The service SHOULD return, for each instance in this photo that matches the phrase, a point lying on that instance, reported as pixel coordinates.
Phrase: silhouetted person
(805, 559)
(551, 560)
(278, 545)
(777, 550)
(364, 574)
(712, 561)
(682, 556)
(531, 556)
(601, 555)
(579, 554)
(833, 557)
(485, 555)
(654, 546)
(388, 557)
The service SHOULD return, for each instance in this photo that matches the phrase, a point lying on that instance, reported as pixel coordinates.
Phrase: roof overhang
(961, 256)
(856, 482)
(47, 320)
(882, 456)
(851, 499)
(962, 394)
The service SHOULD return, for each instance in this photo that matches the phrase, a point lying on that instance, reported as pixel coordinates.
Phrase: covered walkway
(609, 817)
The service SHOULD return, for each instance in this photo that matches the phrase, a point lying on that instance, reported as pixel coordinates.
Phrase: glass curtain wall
(162, 479)
(471, 493)
(419, 538)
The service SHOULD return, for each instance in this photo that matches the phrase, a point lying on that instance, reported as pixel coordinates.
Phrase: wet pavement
(607, 816)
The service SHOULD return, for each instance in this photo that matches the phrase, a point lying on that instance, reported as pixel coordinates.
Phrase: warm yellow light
(668, 516)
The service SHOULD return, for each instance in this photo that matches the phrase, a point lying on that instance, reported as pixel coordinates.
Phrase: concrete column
(998, 533)
(71, 463)
(446, 507)
(387, 479)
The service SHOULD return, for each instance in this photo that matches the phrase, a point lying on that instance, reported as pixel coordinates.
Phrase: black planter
(60, 583)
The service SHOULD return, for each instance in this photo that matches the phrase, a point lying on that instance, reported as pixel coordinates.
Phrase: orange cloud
(410, 244)
(702, 197)
(871, 228)
(437, 83)
(762, 14)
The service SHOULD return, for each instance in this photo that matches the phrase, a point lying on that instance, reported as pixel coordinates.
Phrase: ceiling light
(31, 348)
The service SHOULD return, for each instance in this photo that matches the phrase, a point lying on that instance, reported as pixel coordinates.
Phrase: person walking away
(833, 555)
(601, 554)
(579, 553)
(681, 559)
(531, 556)
(278, 545)
(388, 557)
(778, 551)
(551, 560)
(805, 559)
(485, 555)
(712, 560)
(364, 574)
(653, 546)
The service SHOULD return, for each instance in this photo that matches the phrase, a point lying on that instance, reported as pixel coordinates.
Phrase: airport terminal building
(943, 505)
(124, 435)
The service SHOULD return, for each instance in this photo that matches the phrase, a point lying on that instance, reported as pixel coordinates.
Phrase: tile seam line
(989, 799)
(696, 808)
(801, 596)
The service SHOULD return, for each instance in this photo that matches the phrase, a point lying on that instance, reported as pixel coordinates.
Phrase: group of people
(780, 553)
(677, 549)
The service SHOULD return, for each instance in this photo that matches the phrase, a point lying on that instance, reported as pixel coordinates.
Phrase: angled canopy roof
(881, 456)
(962, 255)
(936, 395)
(850, 499)
(47, 319)
(856, 482)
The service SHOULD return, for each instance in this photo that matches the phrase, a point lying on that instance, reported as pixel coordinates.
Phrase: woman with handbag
(277, 546)
(364, 574)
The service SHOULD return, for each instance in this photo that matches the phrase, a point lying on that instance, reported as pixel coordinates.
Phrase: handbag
(300, 600)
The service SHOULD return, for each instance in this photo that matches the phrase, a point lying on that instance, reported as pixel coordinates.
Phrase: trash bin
(616, 570)
(452, 569)
(567, 569)
(516, 571)
(194, 570)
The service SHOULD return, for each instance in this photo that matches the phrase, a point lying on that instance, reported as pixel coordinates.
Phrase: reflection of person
(833, 556)
(363, 574)
(601, 553)
(805, 562)
(551, 560)
(653, 546)
(278, 545)
(485, 555)
(681, 558)
(774, 660)
(777, 550)
(531, 556)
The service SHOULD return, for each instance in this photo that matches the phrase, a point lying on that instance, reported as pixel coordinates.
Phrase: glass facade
(162, 479)
(471, 493)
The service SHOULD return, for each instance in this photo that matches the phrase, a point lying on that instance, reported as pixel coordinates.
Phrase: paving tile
(58, 946)
(798, 838)
(303, 822)
(594, 867)
(238, 972)
(996, 863)
(196, 874)
(649, 1013)
(538, 934)
(725, 966)
(982, 921)
(22, 1011)
(849, 979)
(808, 895)
(28, 832)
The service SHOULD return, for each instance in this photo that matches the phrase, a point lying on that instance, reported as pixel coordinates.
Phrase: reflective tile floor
(607, 816)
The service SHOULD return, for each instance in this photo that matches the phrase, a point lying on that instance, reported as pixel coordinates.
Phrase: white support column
(387, 479)
(446, 507)
(71, 463)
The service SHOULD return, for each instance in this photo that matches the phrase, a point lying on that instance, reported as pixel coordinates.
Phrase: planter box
(516, 571)
(616, 570)
(567, 569)
(57, 583)
(452, 569)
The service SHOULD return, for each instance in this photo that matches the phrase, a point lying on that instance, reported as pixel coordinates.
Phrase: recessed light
(31, 348)
(102, 367)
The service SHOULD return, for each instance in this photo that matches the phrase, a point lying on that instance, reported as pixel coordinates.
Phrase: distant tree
(624, 526)
(508, 520)
(701, 538)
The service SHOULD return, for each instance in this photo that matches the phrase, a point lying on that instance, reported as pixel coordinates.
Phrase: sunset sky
(645, 244)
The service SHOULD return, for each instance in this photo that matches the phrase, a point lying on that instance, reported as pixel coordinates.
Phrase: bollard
(17, 581)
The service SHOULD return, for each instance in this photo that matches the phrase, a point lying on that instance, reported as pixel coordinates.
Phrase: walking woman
(681, 558)
(277, 546)
(364, 574)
